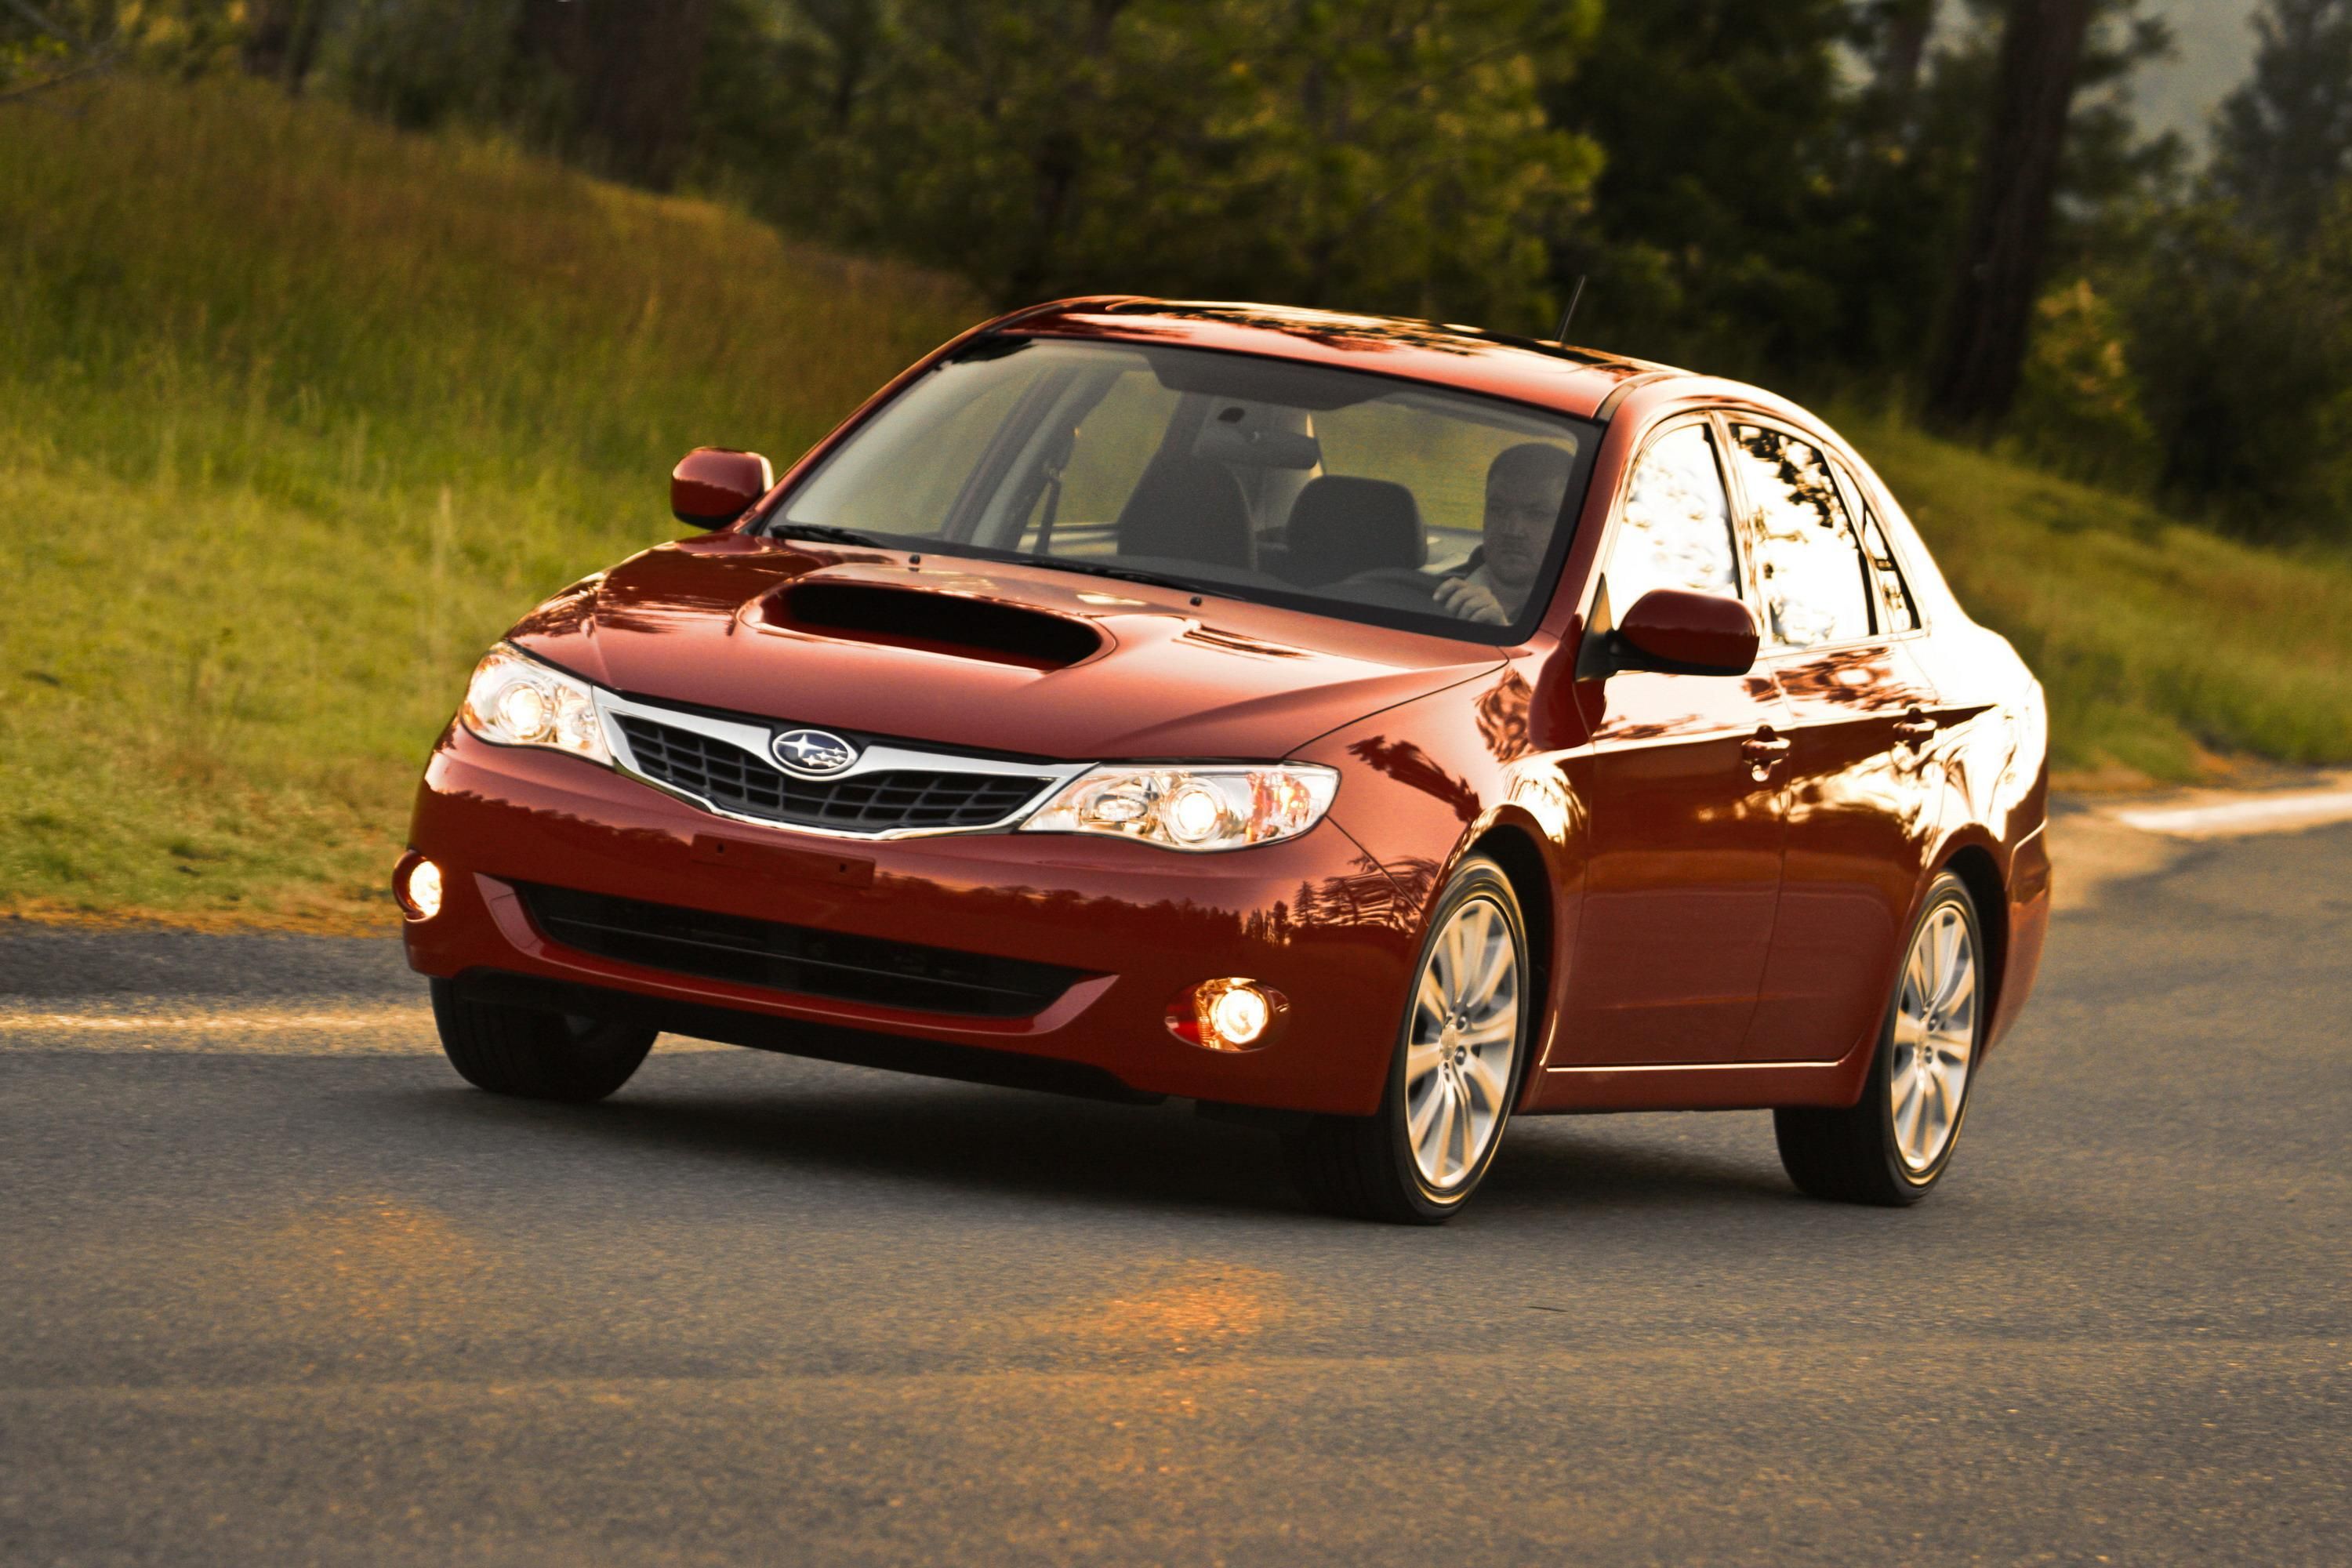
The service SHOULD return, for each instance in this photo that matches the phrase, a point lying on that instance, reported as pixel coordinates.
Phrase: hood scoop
(950, 624)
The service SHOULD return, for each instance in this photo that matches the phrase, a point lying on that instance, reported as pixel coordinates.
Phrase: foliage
(2079, 409)
(421, 63)
(296, 415)
(46, 44)
(2284, 140)
(2243, 339)
(1388, 154)
(1707, 241)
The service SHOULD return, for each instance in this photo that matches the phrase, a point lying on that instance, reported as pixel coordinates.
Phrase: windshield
(1347, 493)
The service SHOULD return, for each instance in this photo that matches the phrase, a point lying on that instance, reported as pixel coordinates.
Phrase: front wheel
(534, 1055)
(1453, 1073)
(1896, 1142)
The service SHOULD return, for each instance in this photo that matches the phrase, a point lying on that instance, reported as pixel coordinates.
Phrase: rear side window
(1897, 611)
(1675, 529)
(1895, 604)
(1809, 566)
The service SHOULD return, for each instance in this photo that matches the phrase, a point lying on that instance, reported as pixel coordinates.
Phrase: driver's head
(1526, 487)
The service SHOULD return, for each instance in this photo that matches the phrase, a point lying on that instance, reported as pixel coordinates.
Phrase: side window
(1809, 568)
(1676, 530)
(1896, 610)
(1901, 613)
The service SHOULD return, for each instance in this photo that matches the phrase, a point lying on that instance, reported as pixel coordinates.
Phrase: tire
(1373, 1167)
(1873, 1152)
(533, 1055)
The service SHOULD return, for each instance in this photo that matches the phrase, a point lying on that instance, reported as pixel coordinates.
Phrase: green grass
(2169, 652)
(297, 413)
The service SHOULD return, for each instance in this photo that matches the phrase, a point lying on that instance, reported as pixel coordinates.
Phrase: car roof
(1578, 381)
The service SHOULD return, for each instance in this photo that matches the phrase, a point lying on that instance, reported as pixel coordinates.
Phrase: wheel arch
(1513, 846)
(1974, 865)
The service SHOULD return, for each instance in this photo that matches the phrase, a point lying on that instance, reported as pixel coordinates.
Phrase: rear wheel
(534, 1055)
(1896, 1142)
(1452, 1075)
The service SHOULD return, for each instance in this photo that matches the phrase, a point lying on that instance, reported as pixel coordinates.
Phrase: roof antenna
(1569, 315)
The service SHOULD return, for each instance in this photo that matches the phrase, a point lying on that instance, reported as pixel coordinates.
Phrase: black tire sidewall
(1474, 877)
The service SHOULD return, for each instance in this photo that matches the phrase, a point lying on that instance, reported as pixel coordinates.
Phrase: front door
(1685, 826)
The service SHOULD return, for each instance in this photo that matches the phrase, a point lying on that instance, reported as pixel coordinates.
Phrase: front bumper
(1312, 917)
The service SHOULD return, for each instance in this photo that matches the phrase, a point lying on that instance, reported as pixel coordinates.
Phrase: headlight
(514, 700)
(1208, 806)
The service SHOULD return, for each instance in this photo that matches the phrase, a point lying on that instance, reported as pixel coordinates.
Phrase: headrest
(1187, 508)
(1340, 527)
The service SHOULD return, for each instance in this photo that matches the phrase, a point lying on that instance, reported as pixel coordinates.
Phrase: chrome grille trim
(752, 739)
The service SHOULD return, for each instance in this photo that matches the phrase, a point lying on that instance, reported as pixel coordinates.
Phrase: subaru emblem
(814, 752)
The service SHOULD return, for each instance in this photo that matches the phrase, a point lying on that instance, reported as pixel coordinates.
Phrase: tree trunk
(633, 66)
(1903, 48)
(1981, 348)
(281, 39)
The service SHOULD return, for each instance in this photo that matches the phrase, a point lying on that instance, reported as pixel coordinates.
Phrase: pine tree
(2283, 142)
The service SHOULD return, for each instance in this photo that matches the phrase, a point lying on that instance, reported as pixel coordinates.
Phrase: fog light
(1227, 1014)
(421, 889)
(1240, 1014)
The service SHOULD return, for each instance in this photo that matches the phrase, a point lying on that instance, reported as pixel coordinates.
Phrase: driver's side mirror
(1675, 632)
(712, 486)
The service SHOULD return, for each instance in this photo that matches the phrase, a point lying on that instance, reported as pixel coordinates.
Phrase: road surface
(275, 1286)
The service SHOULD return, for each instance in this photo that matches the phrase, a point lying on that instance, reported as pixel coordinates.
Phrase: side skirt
(1703, 1085)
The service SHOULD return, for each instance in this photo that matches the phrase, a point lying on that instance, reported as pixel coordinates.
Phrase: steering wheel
(1391, 587)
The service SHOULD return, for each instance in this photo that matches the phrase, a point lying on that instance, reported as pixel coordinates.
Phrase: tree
(2242, 341)
(1897, 32)
(282, 38)
(1386, 154)
(2282, 145)
(629, 70)
(46, 44)
(1712, 220)
(1998, 271)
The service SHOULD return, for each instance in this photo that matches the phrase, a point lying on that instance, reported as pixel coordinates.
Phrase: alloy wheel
(1935, 1038)
(1463, 1044)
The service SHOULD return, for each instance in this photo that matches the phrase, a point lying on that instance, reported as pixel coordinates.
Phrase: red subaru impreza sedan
(1372, 728)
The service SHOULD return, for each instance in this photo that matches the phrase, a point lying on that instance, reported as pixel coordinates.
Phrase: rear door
(1685, 826)
(1840, 647)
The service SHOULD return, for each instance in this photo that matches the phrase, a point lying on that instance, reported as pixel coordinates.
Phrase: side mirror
(1678, 633)
(712, 486)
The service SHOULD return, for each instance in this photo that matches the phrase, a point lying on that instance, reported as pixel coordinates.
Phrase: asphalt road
(275, 1287)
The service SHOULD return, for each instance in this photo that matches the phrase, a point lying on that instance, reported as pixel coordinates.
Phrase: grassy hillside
(2169, 652)
(297, 413)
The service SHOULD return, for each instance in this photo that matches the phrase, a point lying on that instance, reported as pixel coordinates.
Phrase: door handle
(1763, 751)
(1915, 727)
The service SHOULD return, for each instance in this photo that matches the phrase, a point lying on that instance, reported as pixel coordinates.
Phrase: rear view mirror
(1675, 632)
(712, 486)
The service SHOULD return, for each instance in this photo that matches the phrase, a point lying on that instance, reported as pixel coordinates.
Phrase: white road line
(2262, 813)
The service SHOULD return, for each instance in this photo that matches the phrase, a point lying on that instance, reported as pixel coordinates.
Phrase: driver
(1526, 487)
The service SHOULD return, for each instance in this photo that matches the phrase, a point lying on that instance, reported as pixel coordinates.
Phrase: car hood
(963, 652)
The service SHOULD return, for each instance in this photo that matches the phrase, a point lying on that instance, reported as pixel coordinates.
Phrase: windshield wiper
(1124, 573)
(828, 535)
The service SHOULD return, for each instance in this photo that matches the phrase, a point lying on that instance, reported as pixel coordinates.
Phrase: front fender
(1427, 782)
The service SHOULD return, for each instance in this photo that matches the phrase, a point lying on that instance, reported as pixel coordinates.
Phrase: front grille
(734, 780)
(802, 959)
